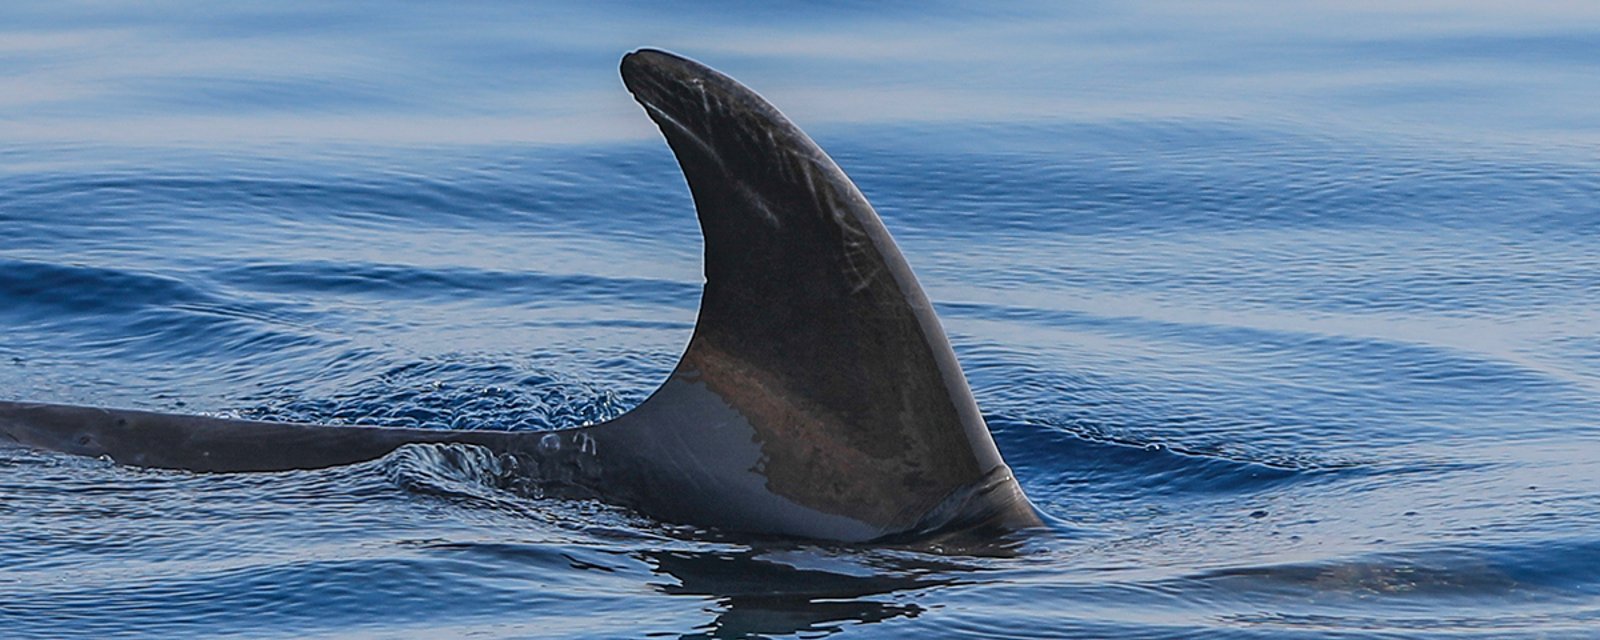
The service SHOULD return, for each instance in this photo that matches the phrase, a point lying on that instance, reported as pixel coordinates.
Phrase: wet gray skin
(818, 397)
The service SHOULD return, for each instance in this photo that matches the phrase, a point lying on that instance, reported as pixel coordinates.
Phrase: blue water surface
(1287, 314)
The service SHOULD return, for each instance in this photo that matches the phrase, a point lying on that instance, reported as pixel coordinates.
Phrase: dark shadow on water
(762, 594)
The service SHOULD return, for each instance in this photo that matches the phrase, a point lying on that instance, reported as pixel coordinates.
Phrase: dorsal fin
(812, 328)
(818, 396)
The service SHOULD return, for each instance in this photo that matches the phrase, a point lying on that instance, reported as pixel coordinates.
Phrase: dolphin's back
(206, 444)
(818, 396)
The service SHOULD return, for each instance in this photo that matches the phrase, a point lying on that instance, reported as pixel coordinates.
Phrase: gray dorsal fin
(812, 328)
(818, 396)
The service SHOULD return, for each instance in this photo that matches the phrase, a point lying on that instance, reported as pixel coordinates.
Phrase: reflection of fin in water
(818, 396)
(766, 597)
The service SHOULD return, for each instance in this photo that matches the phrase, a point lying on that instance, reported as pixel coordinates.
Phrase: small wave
(1051, 461)
(452, 391)
(497, 288)
(1497, 581)
(1292, 393)
(460, 471)
(44, 290)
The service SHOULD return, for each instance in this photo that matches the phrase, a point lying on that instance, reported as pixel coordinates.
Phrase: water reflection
(774, 593)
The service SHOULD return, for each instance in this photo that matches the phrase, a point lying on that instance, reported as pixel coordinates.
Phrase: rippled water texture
(1286, 315)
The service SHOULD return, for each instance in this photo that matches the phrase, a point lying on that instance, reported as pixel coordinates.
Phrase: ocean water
(1287, 316)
